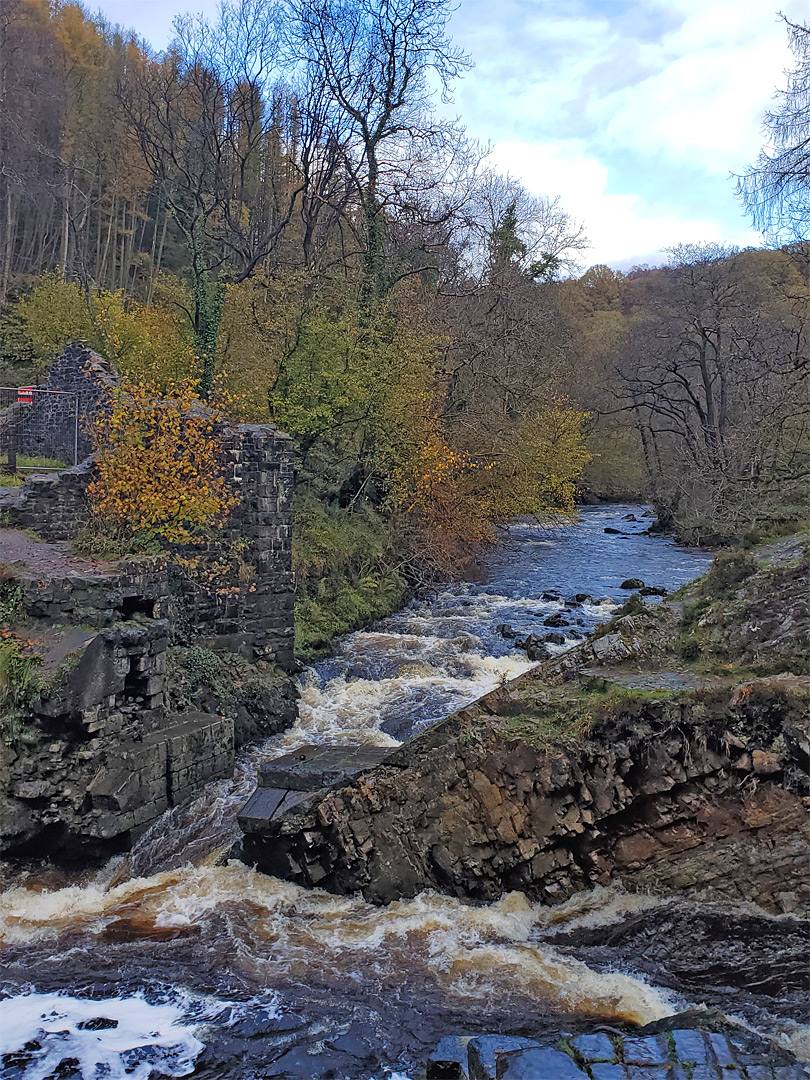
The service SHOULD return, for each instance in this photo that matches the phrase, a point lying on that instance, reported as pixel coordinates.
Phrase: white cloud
(621, 229)
(715, 76)
(688, 80)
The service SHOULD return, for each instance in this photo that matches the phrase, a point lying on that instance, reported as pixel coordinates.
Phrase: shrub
(729, 569)
(159, 477)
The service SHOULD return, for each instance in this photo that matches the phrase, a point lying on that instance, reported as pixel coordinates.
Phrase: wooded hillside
(282, 209)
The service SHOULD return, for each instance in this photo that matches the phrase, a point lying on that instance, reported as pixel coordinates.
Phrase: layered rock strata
(703, 791)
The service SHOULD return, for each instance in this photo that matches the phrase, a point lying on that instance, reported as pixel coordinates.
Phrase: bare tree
(377, 59)
(510, 227)
(231, 147)
(716, 373)
(776, 190)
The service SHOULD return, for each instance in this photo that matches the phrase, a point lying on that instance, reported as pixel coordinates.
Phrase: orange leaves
(159, 474)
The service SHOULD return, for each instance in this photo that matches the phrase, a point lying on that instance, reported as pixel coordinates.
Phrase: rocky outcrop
(671, 792)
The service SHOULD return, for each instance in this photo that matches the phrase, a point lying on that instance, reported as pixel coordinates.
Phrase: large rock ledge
(698, 790)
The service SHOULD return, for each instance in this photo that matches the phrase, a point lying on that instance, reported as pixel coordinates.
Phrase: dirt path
(47, 560)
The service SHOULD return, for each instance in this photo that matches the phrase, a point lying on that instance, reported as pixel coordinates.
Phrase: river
(181, 960)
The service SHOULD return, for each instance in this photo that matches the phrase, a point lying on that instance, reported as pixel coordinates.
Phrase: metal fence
(39, 429)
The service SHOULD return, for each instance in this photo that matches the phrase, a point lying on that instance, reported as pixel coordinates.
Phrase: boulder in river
(554, 639)
(653, 590)
(552, 597)
(581, 598)
(505, 630)
(555, 620)
(612, 532)
(538, 650)
(632, 583)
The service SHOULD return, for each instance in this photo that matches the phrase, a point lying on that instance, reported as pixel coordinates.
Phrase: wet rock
(554, 639)
(538, 652)
(505, 630)
(449, 1060)
(581, 598)
(535, 1062)
(354, 1042)
(723, 1054)
(632, 583)
(484, 1050)
(653, 590)
(263, 1022)
(97, 1023)
(551, 597)
(690, 1046)
(603, 1071)
(555, 620)
(614, 532)
(651, 1050)
(596, 1047)
(300, 1064)
(629, 517)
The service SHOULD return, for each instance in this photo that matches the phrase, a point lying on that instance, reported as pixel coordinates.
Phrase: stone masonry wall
(53, 505)
(56, 425)
(97, 756)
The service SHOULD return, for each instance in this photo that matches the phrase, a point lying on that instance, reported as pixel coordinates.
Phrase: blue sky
(634, 112)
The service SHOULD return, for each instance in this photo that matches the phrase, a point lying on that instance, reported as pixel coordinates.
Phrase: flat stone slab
(265, 804)
(311, 768)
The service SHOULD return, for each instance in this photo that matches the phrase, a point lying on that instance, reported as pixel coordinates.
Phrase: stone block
(313, 767)
(721, 1048)
(690, 1046)
(596, 1047)
(607, 1071)
(536, 1062)
(484, 1050)
(648, 1050)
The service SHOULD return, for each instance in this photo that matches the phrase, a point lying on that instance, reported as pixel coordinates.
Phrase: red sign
(25, 395)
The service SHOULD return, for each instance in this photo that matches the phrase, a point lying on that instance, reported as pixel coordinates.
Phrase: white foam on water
(147, 1038)
(352, 710)
(471, 951)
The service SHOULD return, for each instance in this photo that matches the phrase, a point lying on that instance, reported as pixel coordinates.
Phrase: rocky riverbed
(222, 971)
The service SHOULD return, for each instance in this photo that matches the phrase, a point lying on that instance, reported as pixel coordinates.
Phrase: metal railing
(39, 429)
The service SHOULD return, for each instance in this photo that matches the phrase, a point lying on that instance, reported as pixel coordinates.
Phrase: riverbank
(670, 751)
(275, 979)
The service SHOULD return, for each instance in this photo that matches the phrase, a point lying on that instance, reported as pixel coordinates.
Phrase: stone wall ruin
(100, 755)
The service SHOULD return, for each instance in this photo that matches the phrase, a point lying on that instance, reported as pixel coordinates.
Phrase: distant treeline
(282, 209)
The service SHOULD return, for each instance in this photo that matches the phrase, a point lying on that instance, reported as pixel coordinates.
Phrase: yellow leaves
(149, 344)
(159, 472)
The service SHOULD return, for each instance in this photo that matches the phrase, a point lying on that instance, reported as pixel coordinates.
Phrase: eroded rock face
(702, 792)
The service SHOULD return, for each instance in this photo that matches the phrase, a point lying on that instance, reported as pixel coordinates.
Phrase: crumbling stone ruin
(97, 753)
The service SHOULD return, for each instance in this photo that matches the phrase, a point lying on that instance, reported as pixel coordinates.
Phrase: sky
(637, 113)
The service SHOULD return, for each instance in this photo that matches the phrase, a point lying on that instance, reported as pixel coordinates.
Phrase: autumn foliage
(159, 474)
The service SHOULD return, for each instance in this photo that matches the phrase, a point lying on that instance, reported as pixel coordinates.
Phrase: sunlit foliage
(159, 474)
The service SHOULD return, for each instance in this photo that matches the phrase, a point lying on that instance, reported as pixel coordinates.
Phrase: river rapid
(180, 960)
